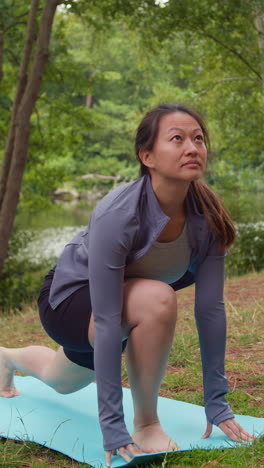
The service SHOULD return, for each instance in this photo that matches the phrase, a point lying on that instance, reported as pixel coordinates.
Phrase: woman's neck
(171, 196)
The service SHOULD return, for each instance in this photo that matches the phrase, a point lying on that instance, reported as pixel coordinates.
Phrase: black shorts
(68, 324)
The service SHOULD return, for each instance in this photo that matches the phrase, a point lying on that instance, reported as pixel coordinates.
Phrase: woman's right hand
(132, 449)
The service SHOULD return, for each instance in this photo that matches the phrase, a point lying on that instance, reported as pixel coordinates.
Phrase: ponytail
(213, 209)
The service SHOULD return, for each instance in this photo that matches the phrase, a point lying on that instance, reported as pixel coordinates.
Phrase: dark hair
(210, 204)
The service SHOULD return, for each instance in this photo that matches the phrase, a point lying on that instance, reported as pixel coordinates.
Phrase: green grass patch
(249, 339)
(183, 380)
(29, 455)
(240, 457)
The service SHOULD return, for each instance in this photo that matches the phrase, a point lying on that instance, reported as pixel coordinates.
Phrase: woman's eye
(199, 137)
(176, 137)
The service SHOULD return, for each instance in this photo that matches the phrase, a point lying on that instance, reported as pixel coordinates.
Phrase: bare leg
(7, 387)
(150, 309)
(52, 367)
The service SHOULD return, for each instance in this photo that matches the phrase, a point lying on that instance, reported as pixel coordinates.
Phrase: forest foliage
(109, 63)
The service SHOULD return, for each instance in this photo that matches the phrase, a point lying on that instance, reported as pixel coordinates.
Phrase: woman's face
(179, 151)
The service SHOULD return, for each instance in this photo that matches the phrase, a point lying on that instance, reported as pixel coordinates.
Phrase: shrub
(247, 253)
(20, 281)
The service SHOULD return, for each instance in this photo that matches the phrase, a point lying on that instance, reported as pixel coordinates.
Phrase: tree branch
(100, 176)
(237, 78)
(23, 14)
(18, 22)
(15, 58)
(38, 124)
(13, 25)
(234, 52)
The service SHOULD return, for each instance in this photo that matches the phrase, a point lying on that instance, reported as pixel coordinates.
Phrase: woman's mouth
(192, 164)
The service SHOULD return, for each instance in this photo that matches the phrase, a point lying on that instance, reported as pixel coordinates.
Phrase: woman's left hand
(232, 429)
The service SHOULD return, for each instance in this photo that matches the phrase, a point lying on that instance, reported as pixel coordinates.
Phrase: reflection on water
(57, 215)
(47, 244)
(52, 229)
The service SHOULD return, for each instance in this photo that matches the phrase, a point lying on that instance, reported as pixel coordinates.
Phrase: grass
(183, 380)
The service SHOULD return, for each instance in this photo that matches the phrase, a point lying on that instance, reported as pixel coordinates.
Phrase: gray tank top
(164, 261)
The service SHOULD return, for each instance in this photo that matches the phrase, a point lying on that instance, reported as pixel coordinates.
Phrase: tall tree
(21, 85)
(260, 31)
(26, 96)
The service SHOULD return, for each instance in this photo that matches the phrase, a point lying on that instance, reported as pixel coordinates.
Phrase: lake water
(51, 229)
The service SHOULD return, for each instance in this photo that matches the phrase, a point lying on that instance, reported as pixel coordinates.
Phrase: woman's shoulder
(123, 199)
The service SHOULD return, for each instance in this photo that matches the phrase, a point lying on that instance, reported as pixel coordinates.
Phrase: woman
(114, 286)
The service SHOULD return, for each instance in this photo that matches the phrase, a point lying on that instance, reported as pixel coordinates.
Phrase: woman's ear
(146, 158)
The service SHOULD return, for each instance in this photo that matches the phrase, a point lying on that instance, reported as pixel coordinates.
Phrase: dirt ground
(238, 291)
(242, 295)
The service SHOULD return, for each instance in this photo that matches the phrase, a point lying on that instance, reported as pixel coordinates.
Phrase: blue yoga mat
(69, 423)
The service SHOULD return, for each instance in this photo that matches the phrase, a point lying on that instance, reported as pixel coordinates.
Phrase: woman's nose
(191, 147)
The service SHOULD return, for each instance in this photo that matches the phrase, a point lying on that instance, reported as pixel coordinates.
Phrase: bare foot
(7, 387)
(151, 438)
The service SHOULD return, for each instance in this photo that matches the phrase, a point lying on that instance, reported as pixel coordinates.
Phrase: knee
(63, 389)
(59, 387)
(164, 304)
(72, 387)
(149, 301)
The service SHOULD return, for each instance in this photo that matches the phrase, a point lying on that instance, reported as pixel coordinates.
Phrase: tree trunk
(21, 85)
(22, 129)
(260, 31)
(1, 55)
(89, 101)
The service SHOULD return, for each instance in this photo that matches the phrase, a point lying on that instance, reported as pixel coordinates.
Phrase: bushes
(247, 253)
(20, 281)
(18, 285)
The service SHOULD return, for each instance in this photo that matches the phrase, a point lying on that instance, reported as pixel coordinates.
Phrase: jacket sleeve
(211, 324)
(108, 243)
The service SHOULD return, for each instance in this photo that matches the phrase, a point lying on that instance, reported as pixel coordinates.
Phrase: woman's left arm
(211, 324)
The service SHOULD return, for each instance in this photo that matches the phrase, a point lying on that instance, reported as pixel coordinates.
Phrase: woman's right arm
(108, 243)
(211, 324)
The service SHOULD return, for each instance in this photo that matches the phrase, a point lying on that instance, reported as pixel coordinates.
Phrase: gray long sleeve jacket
(122, 228)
